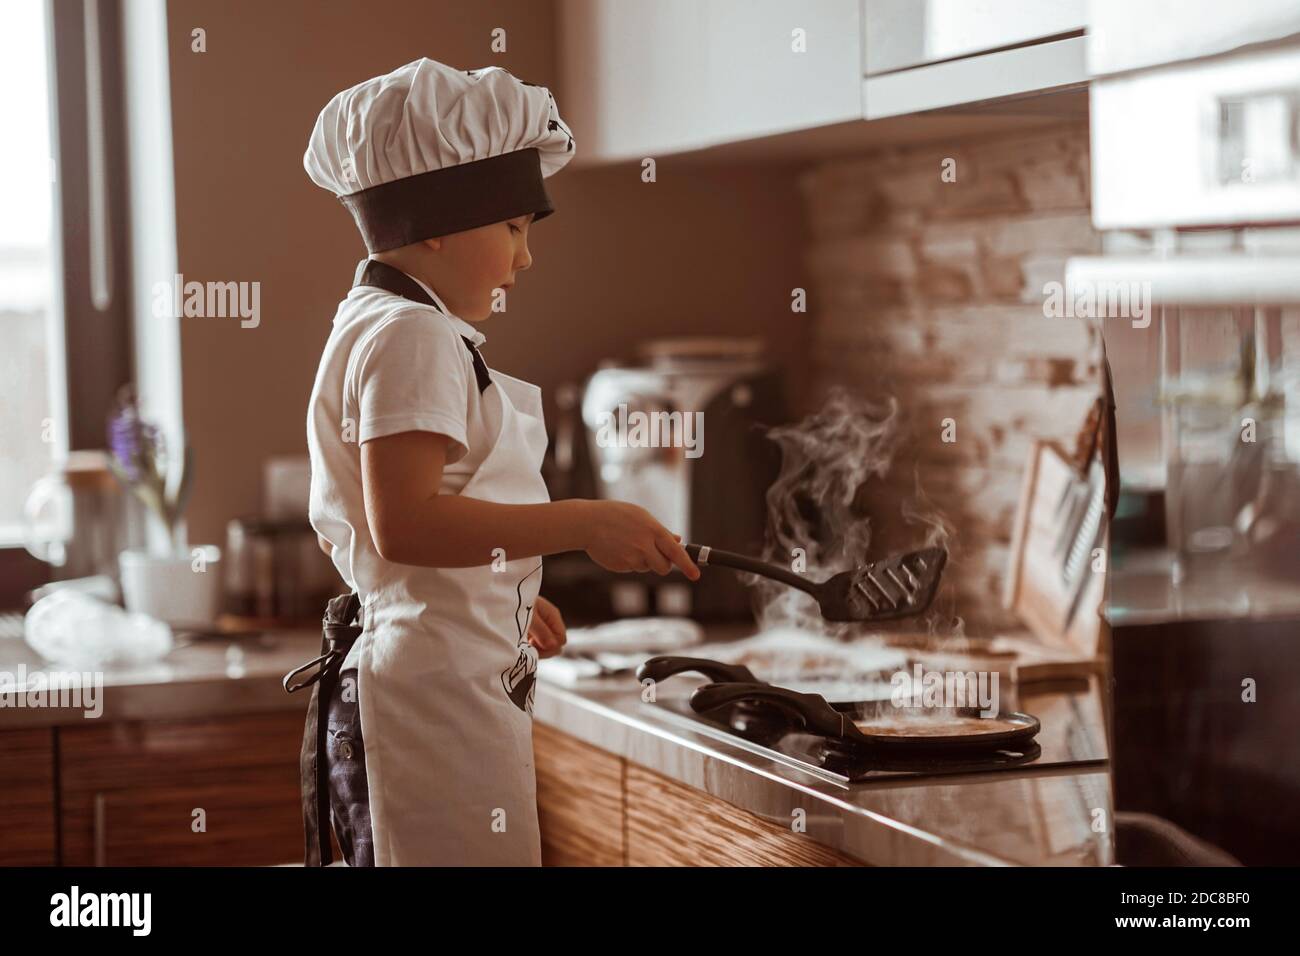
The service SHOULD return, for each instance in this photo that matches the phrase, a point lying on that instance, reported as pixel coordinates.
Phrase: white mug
(184, 590)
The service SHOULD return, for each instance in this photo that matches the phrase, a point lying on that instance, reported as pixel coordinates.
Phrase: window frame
(91, 248)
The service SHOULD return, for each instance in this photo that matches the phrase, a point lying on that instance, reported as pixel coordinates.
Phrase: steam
(817, 509)
(939, 533)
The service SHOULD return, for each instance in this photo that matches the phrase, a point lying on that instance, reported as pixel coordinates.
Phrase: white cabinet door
(651, 77)
(632, 76)
(907, 33)
(1126, 35)
(781, 65)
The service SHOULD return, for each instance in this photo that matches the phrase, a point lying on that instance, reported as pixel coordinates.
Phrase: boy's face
(471, 265)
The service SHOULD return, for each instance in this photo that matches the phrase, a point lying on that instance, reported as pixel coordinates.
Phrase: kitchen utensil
(1040, 587)
(960, 730)
(885, 590)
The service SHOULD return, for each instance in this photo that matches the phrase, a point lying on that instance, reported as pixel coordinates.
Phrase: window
(29, 370)
(64, 253)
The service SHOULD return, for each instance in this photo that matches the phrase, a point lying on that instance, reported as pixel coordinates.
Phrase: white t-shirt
(390, 365)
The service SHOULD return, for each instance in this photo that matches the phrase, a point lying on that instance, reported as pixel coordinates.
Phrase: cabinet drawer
(129, 792)
(27, 798)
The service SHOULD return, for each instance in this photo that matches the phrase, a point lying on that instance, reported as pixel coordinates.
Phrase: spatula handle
(702, 554)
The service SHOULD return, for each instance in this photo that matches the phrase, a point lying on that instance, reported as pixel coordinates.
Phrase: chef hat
(428, 150)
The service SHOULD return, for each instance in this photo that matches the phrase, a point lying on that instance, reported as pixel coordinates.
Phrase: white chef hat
(428, 150)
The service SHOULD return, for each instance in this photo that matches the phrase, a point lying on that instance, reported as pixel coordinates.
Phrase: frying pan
(818, 716)
(659, 668)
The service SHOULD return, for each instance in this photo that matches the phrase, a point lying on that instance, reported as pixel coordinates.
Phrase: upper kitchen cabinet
(1195, 127)
(930, 54)
(1128, 36)
(647, 79)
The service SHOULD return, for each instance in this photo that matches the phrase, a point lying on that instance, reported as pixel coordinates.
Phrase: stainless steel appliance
(1196, 180)
(682, 435)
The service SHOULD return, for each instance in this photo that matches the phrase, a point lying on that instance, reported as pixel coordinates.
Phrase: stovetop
(784, 743)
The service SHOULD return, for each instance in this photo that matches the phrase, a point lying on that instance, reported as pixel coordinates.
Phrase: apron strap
(338, 632)
(383, 276)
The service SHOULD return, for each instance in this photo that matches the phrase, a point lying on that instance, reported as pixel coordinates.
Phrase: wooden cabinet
(649, 79)
(27, 798)
(671, 824)
(130, 793)
(597, 809)
(579, 801)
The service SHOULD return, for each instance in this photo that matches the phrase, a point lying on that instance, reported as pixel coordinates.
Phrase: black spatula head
(885, 590)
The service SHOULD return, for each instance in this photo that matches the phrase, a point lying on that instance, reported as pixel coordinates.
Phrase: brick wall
(932, 291)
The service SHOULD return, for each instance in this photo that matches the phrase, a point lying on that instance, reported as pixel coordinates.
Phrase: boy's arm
(411, 523)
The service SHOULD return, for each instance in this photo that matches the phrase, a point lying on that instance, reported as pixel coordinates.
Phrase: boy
(426, 483)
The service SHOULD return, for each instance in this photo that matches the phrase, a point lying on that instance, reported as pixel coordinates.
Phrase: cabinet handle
(101, 829)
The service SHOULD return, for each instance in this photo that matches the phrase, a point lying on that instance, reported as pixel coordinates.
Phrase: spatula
(884, 590)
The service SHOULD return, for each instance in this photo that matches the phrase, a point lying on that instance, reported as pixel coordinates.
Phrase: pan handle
(818, 716)
(658, 668)
(702, 554)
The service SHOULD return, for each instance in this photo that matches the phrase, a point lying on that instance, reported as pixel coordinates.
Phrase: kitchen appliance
(1196, 180)
(861, 721)
(682, 435)
(1070, 735)
(789, 744)
(876, 730)
(885, 590)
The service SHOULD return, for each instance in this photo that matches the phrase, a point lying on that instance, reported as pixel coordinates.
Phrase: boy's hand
(626, 537)
(546, 630)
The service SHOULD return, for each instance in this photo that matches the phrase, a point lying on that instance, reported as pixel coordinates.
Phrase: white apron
(446, 678)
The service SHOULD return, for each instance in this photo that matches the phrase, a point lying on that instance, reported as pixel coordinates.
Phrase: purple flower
(135, 443)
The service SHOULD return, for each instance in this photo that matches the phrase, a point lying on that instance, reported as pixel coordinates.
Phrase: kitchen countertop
(208, 677)
(1009, 817)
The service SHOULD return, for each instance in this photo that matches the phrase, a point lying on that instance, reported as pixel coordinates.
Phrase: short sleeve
(409, 374)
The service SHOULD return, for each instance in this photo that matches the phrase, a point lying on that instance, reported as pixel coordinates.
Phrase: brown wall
(699, 251)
